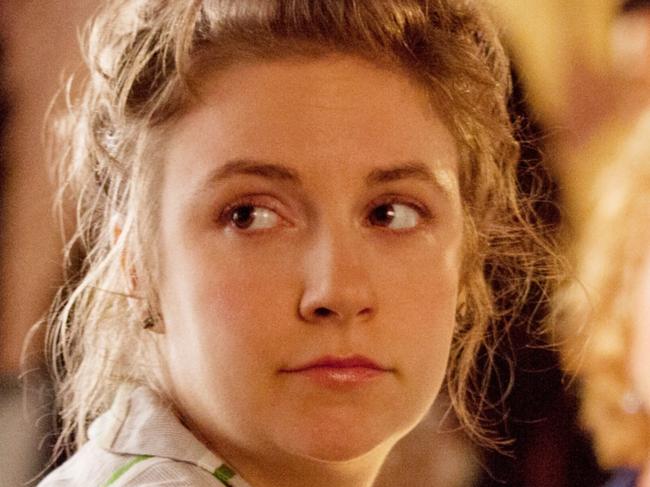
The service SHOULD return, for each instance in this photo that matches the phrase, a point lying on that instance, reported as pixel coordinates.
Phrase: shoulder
(167, 472)
(94, 466)
(139, 441)
(88, 466)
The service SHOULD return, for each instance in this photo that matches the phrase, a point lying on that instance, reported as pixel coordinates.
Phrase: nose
(337, 285)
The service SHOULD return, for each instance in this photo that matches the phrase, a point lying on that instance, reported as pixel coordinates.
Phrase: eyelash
(422, 210)
(225, 215)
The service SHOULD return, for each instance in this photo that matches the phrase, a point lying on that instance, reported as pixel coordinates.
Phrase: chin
(342, 454)
(340, 443)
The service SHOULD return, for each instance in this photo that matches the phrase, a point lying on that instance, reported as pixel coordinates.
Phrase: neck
(288, 471)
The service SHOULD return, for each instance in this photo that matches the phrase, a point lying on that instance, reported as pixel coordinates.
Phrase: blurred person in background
(603, 315)
(589, 82)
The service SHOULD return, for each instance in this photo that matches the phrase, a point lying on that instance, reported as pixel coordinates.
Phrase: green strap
(124, 468)
(224, 473)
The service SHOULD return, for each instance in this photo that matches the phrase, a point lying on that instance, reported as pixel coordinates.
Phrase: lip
(339, 372)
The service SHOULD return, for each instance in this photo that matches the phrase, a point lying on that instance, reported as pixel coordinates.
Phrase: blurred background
(582, 81)
(38, 50)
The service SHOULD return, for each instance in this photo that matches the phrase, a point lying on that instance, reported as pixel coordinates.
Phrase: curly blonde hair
(146, 59)
(594, 311)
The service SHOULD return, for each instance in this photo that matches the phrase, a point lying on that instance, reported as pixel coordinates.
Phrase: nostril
(365, 312)
(322, 312)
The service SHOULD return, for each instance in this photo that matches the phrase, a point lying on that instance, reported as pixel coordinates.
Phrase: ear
(129, 273)
(147, 316)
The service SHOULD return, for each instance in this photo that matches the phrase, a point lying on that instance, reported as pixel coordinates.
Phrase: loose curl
(147, 58)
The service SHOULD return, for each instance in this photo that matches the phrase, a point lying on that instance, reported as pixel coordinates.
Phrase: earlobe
(129, 274)
(149, 319)
(153, 322)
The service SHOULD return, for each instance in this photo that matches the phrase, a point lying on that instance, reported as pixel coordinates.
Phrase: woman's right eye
(251, 217)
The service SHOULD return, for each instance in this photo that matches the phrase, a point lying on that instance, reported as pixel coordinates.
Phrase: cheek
(419, 303)
(222, 302)
(433, 319)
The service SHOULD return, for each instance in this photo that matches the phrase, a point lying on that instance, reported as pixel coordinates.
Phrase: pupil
(383, 215)
(243, 216)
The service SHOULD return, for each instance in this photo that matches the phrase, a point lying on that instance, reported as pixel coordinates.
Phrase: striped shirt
(140, 441)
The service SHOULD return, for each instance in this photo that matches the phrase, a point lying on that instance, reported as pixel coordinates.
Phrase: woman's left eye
(395, 216)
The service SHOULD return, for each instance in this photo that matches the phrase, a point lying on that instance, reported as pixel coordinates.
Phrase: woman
(297, 217)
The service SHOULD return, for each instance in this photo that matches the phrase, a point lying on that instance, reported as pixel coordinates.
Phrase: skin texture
(320, 271)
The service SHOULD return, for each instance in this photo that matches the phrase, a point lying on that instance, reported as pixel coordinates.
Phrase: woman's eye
(251, 217)
(395, 216)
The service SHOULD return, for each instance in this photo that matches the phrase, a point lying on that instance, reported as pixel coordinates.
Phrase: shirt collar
(140, 423)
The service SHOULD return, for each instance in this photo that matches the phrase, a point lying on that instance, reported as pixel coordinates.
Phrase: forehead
(335, 113)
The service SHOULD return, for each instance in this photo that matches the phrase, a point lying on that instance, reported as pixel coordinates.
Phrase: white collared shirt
(139, 441)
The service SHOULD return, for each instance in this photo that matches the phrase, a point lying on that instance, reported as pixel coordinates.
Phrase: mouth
(337, 372)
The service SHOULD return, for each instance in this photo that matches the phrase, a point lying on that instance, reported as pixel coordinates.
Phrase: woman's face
(310, 245)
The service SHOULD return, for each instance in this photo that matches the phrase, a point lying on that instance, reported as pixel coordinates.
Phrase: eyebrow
(254, 167)
(408, 170)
